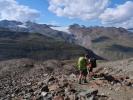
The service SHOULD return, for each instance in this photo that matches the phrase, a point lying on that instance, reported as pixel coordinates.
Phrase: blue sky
(49, 17)
(60, 12)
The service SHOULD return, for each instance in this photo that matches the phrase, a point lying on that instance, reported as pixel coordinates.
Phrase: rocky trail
(24, 79)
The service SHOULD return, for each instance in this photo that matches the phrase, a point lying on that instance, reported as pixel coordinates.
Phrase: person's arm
(90, 69)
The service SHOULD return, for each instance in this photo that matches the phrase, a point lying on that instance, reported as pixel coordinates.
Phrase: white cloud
(121, 16)
(11, 10)
(83, 9)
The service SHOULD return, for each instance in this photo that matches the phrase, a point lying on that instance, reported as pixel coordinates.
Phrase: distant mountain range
(35, 28)
(18, 44)
(109, 42)
(130, 29)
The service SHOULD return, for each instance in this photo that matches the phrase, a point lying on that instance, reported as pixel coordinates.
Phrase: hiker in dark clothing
(91, 64)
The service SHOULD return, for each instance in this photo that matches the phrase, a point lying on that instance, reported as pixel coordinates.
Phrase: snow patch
(63, 29)
(22, 25)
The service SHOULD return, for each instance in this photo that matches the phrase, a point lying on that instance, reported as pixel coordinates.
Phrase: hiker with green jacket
(82, 66)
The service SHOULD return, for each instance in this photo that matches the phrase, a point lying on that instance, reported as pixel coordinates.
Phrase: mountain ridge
(104, 41)
(37, 46)
(33, 27)
(100, 39)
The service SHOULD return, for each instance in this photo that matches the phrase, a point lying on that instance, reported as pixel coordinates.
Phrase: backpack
(93, 63)
(82, 63)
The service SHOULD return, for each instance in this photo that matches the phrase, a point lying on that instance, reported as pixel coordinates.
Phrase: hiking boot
(85, 81)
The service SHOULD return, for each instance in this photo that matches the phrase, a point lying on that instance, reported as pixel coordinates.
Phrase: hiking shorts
(84, 72)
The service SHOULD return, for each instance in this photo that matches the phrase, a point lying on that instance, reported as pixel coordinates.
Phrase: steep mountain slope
(130, 29)
(109, 42)
(48, 31)
(36, 46)
(33, 27)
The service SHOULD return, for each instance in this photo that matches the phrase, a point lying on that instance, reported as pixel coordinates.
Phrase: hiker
(91, 65)
(82, 66)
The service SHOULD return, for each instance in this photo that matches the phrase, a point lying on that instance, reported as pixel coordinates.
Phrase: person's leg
(91, 73)
(85, 75)
(85, 80)
(80, 77)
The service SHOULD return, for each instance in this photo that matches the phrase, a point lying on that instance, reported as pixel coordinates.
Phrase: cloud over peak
(82, 9)
(11, 10)
(100, 10)
(120, 16)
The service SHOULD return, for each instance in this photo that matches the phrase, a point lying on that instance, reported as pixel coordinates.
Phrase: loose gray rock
(45, 89)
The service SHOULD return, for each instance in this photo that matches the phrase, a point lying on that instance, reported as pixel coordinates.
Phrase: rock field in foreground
(24, 79)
